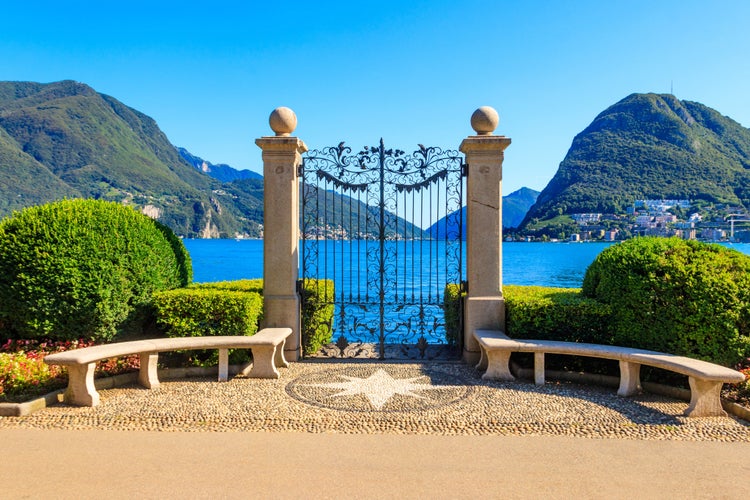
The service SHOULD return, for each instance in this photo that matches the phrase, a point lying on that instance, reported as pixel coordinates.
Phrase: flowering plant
(24, 374)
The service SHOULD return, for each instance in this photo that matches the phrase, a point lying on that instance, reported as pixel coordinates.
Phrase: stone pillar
(484, 306)
(281, 156)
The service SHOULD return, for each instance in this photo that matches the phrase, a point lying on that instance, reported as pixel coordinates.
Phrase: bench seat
(706, 379)
(267, 346)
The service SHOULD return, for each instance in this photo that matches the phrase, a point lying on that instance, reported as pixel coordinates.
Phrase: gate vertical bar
(381, 238)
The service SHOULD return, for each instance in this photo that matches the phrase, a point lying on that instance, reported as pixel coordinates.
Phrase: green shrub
(195, 312)
(317, 307)
(84, 269)
(676, 296)
(539, 313)
(317, 314)
(208, 311)
(535, 312)
(452, 296)
(247, 285)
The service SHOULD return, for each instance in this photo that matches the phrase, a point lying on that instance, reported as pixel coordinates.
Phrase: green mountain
(64, 139)
(649, 146)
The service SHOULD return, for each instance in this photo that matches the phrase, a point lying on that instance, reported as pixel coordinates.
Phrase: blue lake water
(544, 264)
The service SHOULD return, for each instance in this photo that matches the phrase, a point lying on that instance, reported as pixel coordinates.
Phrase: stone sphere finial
(283, 121)
(484, 120)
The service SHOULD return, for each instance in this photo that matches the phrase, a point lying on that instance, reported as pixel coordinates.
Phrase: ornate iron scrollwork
(386, 227)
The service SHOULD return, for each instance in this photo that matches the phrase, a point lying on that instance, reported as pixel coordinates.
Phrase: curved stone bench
(267, 346)
(706, 379)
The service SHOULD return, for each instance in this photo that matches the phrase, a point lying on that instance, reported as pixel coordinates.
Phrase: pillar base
(471, 357)
(282, 311)
(481, 313)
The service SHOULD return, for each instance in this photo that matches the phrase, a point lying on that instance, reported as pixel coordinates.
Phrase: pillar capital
(281, 144)
(484, 144)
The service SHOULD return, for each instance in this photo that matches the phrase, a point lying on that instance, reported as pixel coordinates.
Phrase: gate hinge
(300, 286)
(464, 170)
(464, 286)
(301, 168)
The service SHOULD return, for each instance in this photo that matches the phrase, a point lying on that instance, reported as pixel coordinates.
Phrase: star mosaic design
(378, 388)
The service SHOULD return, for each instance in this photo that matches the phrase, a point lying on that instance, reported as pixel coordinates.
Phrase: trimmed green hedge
(681, 297)
(452, 312)
(317, 308)
(247, 285)
(540, 313)
(535, 312)
(195, 312)
(84, 269)
(206, 311)
(317, 314)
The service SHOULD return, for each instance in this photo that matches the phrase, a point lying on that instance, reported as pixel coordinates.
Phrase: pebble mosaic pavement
(399, 398)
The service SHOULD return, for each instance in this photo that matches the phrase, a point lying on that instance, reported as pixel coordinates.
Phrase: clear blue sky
(412, 72)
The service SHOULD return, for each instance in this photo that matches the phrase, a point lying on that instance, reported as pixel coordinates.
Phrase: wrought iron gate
(386, 228)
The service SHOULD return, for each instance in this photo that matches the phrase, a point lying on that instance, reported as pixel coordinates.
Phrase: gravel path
(392, 398)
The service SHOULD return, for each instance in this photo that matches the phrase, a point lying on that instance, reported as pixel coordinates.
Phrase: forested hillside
(649, 146)
(64, 139)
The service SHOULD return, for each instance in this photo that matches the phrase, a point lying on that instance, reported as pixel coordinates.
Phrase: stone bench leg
(279, 359)
(482, 365)
(630, 378)
(148, 375)
(263, 362)
(498, 366)
(81, 390)
(223, 365)
(705, 399)
(539, 368)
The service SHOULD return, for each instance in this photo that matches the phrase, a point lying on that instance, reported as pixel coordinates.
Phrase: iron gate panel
(386, 227)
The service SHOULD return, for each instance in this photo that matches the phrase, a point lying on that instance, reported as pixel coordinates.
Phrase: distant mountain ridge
(221, 171)
(515, 206)
(649, 146)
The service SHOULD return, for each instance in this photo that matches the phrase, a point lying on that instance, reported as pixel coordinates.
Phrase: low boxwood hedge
(317, 314)
(205, 311)
(452, 297)
(541, 313)
(194, 312)
(246, 285)
(317, 310)
(536, 312)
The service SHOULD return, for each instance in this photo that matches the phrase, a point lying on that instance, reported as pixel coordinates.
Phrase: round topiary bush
(681, 297)
(84, 269)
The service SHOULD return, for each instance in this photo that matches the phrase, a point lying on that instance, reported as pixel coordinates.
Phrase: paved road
(143, 464)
